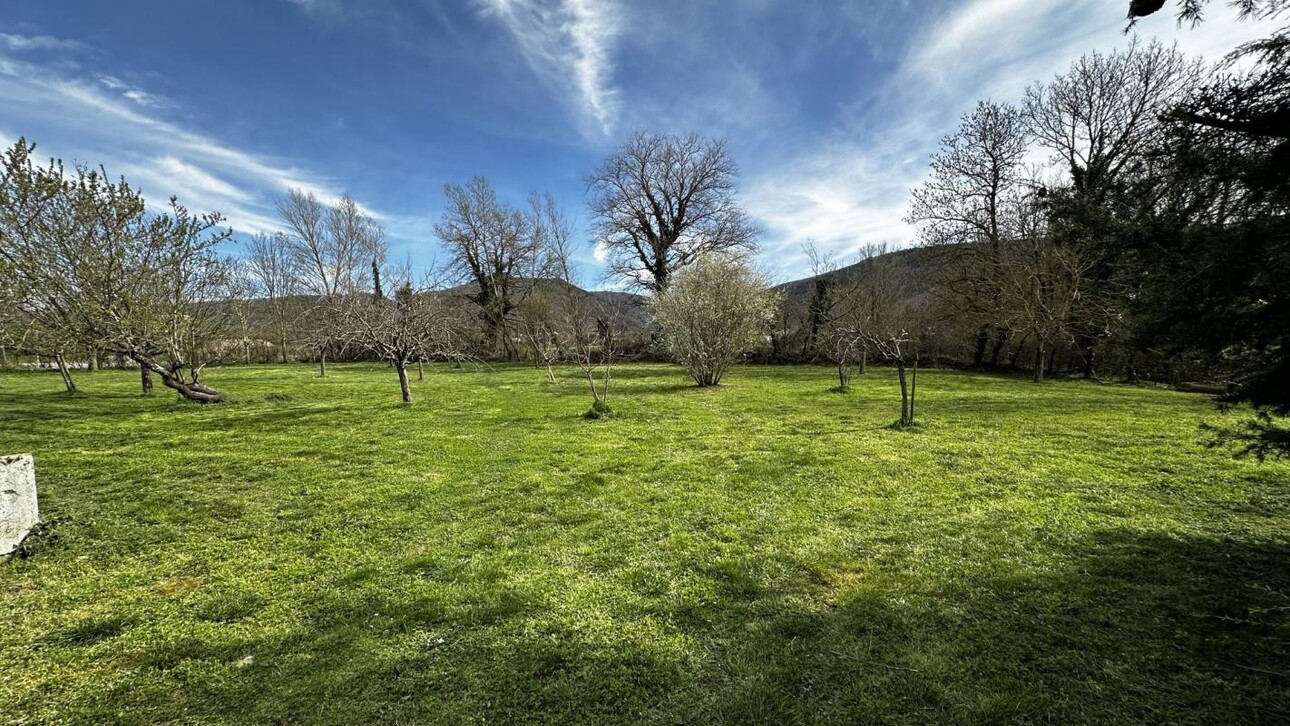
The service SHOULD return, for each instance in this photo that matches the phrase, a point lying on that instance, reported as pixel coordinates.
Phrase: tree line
(1125, 218)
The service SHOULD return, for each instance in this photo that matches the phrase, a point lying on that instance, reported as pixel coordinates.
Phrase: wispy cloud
(20, 43)
(569, 45)
(132, 93)
(101, 119)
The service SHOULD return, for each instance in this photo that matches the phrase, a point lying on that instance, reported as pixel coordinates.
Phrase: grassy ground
(770, 552)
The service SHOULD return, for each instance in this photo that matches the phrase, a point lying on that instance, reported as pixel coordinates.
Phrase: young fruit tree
(94, 265)
(415, 324)
(885, 316)
(713, 312)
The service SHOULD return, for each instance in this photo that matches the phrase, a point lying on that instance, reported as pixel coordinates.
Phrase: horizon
(831, 111)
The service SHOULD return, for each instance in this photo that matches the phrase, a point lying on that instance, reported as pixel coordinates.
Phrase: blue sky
(830, 107)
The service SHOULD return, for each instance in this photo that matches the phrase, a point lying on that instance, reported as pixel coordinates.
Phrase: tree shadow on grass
(1129, 627)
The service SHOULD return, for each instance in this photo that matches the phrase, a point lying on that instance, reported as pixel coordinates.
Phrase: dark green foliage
(599, 409)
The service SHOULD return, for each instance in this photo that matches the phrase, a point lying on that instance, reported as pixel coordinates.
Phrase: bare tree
(551, 282)
(884, 315)
(272, 265)
(415, 324)
(659, 203)
(591, 327)
(714, 311)
(969, 208)
(492, 245)
(1100, 120)
(1103, 113)
(95, 266)
(1043, 282)
(332, 249)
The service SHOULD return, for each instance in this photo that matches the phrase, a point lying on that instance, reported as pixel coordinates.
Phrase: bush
(711, 314)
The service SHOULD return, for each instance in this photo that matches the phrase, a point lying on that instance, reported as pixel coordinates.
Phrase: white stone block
(18, 513)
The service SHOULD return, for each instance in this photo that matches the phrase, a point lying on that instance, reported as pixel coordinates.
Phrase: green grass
(766, 552)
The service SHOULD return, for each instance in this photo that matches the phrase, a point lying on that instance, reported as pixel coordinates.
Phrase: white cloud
(132, 93)
(104, 120)
(20, 43)
(569, 45)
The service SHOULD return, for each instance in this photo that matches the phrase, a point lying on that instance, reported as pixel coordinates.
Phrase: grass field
(767, 552)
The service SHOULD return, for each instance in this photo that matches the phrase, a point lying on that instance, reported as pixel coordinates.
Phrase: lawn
(766, 552)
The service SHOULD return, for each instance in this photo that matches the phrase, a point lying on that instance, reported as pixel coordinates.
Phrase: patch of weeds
(42, 537)
(598, 410)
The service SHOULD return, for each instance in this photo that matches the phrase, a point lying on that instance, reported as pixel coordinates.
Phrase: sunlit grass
(769, 551)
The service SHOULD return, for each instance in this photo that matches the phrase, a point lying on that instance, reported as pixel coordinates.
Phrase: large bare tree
(272, 265)
(1103, 113)
(333, 249)
(659, 203)
(492, 247)
(969, 208)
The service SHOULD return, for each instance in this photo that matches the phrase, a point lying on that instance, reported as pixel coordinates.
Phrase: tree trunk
(843, 382)
(982, 339)
(92, 359)
(1039, 362)
(904, 392)
(145, 380)
(913, 393)
(1000, 340)
(1090, 362)
(864, 362)
(322, 362)
(1016, 352)
(401, 366)
(421, 370)
(174, 380)
(550, 374)
(65, 373)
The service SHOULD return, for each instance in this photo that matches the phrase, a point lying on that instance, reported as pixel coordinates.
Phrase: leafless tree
(1103, 114)
(591, 327)
(415, 324)
(552, 289)
(1043, 287)
(884, 315)
(969, 208)
(272, 265)
(492, 245)
(332, 249)
(713, 312)
(1100, 120)
(659, 203)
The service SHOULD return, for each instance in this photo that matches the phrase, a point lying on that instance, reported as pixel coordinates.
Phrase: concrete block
(18, 512)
